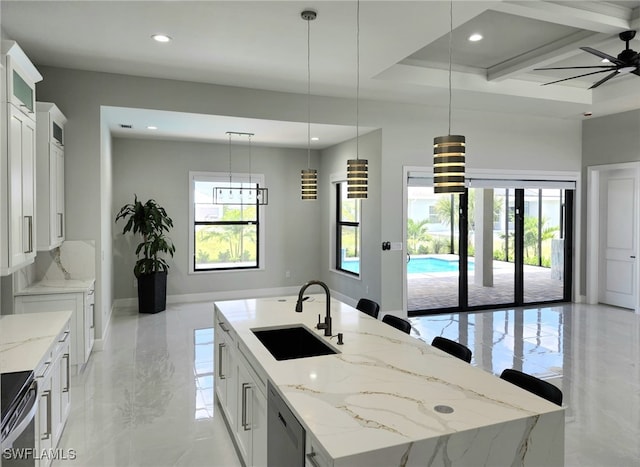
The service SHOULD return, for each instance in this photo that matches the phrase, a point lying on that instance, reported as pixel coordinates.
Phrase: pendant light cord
(358, 80)
(308, 94)
(229, 160)
(450, 47)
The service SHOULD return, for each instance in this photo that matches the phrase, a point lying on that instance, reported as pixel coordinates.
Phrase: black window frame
(216, 179)
(340, 224)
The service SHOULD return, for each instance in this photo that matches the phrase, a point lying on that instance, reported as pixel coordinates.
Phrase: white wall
(499, 141)
(160, 170)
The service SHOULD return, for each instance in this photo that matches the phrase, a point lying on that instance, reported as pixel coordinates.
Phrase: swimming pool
(418, 265)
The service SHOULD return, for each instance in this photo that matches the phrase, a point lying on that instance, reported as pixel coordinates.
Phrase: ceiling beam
(542, 56)
(593, 16)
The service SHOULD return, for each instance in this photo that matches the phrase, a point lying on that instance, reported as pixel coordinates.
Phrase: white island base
(386, 399)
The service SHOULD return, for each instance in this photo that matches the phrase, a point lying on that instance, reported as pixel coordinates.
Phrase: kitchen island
(385, 398)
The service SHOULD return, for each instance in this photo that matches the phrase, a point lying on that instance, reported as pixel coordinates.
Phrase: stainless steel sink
(292, 342)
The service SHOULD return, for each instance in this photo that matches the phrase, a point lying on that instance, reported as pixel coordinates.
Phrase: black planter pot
(152, 292)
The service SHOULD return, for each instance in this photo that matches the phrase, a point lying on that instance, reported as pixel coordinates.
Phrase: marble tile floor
(147, 397)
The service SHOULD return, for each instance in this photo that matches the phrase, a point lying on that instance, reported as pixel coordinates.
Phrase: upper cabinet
(17, 160)
(50, 175)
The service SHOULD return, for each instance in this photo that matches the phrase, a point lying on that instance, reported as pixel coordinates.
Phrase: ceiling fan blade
(579, 76)
(597, 53)
(611, 67)
(606, 78)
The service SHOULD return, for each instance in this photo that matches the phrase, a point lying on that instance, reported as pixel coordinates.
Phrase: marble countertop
(26, 338)
(58, 286)
(381, 391)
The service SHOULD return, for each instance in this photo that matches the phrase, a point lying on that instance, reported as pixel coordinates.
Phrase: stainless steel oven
(18, 405)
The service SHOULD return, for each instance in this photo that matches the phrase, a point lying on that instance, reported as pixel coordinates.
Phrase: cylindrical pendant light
(449, 151)
(357, 169)
(309, 176)
(448, 164)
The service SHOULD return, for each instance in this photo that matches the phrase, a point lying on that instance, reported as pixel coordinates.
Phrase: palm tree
(416, 233)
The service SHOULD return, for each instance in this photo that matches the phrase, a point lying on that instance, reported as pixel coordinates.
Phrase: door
(617, 262)
(502, 243)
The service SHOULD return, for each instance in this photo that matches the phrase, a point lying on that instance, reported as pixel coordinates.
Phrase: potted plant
(151, 221)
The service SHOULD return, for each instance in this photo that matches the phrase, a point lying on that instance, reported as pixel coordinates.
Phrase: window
(348, 233)
(224, 236)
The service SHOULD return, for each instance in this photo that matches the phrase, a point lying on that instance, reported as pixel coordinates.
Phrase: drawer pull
(311, 457)
(220, 347)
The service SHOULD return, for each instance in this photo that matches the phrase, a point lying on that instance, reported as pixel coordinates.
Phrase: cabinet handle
(66, 389)
(29, 111)
(93, 312)
(29, 239)
(60, 225)
(223, 326)
(44, 370)
(64, 336)
(47, 433)
(245, 424)
(220, 347)
(311, 457)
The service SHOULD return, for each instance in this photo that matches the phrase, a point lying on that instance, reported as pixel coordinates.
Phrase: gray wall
(611, 139)
(160, 170)
(334, 164)
(495, 141)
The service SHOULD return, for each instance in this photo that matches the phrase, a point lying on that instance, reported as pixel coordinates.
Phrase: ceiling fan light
(627, 69)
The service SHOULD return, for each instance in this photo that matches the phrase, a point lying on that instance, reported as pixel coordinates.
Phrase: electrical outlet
(135, 283)
(287, 274)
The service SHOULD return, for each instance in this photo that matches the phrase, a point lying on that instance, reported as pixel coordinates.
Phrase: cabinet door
(245, 412)
(64, 386)
(43, 415)
(57, 195)
(252, 418)
(21, 188)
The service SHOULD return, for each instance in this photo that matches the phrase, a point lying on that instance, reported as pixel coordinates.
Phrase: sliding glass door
(495, 245)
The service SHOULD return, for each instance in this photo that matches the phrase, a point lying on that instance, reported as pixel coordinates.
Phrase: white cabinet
(52, 377)
(225, 382)
(50, 175)
(241, 393)
(82, 327)
(251, 430)
(17, 160)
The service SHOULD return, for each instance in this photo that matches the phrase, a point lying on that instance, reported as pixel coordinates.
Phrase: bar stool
(369, 307)
(397, 322)
(532, 384)
(452, 348)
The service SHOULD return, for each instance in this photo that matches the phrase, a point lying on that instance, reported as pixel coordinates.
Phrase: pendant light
(309, 176)
(236, 194)
(449, 151)
(357, 169)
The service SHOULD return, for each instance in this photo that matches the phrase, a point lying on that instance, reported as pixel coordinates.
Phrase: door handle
(632, 257)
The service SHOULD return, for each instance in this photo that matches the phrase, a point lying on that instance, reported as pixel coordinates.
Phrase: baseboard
(213, 296)
(98, 344)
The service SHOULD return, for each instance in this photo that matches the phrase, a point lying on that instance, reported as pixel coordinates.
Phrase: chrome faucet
(327, 319)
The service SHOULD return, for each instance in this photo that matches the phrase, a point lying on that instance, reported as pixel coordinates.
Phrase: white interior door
(618, 209)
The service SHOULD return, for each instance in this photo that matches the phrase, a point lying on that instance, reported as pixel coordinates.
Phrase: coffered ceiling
(404, 47)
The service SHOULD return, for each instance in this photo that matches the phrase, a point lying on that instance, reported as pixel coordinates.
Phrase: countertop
(58, 286)
(379, 394)
(26, 338)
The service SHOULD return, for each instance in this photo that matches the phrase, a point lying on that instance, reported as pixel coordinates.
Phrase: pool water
(418, 265)
(429, 264)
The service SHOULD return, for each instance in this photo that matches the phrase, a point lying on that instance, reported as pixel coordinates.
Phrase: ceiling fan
(627, 61)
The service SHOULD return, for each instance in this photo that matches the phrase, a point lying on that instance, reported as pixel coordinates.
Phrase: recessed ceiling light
(161, 38)
(605, 60)
(475, 37)
(151, 127)
(315, 138)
